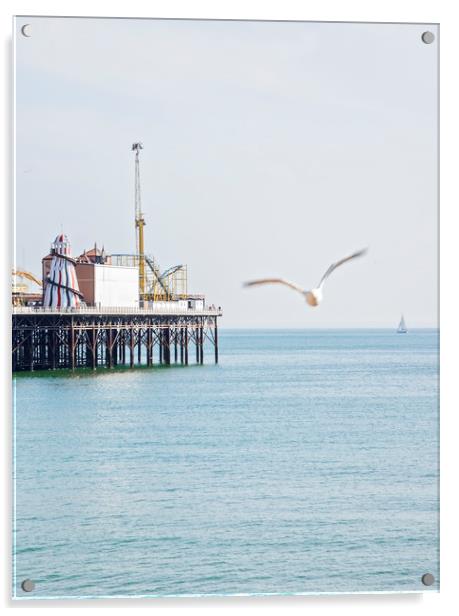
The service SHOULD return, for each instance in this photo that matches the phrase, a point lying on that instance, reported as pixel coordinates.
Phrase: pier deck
(87, 337)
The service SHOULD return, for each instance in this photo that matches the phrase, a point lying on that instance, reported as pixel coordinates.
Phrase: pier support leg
(186, 345)
(28, 351)
(110, 347)
(93, 338)
(216, 340)
(201, 344)
(41, 360)
(52, 348)
(149, 347)
(116, 346)
(72, 346)
(167, 346)
(131, 348)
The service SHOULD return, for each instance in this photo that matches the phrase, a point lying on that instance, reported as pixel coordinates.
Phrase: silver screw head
(427, 579)
(28, 585)
(26, 30)
(428, 37)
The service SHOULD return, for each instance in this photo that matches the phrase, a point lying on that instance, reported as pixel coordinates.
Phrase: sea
(304, 462)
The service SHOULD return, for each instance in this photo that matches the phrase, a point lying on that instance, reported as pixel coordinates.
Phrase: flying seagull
(314, 296)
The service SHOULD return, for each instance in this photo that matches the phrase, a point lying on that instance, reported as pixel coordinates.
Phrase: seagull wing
(333, 266)
(287, 283)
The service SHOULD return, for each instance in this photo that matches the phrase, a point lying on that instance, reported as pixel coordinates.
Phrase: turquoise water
(306, 461)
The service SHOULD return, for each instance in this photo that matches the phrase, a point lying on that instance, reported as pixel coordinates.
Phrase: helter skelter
(61, 286)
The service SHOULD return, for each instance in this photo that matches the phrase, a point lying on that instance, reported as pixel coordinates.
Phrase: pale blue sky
(270, 149)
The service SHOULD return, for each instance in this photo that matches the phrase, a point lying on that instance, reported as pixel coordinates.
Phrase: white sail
(402, 326)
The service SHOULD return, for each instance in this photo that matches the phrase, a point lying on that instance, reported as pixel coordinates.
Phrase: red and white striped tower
(61, 286)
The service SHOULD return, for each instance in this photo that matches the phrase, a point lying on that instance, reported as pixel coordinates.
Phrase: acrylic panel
(225, 321)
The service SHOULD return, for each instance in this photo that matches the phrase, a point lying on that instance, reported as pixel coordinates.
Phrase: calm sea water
(306, 461)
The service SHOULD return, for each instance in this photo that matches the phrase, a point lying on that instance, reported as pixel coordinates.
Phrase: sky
(270, 149)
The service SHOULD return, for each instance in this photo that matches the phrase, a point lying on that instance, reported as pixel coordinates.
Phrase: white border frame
(435, 11)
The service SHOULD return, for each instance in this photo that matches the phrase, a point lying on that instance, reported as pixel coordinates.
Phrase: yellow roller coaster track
(28, 275)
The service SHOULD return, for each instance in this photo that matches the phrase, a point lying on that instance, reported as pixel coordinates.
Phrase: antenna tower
(139, 221)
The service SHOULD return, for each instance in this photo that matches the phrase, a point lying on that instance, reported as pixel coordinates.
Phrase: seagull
(313, 296)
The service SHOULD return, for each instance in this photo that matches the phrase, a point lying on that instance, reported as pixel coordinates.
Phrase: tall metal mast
(139, 221)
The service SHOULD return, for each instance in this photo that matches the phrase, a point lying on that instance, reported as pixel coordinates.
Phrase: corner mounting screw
(428, 37)
(427, 579)
(26, 30)
(28, 585)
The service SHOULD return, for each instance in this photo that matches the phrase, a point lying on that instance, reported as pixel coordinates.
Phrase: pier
(87, 337)
(104, 310)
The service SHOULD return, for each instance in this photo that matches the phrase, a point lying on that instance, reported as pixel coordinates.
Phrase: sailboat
(402, 326)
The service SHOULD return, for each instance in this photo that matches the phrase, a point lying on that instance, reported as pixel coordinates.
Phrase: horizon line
(248, 327)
